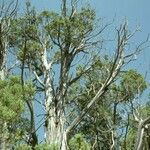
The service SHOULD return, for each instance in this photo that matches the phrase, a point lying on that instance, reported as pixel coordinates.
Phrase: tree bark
(3, 45)
(140, 133)
(55, 133)
(55, 119)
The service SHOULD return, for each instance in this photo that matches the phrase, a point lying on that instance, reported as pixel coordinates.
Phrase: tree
(62, 54)
(105, 122)
(12, 105)
(6, 13)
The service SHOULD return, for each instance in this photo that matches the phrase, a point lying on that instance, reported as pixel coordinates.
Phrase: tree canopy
(63, 90)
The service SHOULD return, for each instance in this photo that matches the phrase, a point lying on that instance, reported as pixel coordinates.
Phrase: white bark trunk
(3, 63)
(54, 128)
(2, 74)
(55, 133)
(54, 121)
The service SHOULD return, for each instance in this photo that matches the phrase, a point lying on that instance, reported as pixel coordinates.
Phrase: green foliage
(23, 147)
(133, 83)
(11, 95)
(32, 51)
(130, 85)
(145, 111)
(78, 142)
(12, 106)
(12, 98)
(130, 140)
(37, 147)
(46, 147)
(70, 30)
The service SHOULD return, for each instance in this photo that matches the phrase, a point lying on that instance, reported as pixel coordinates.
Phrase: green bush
(38, 147)
(78, 142)
(23, 147)
(46, 147)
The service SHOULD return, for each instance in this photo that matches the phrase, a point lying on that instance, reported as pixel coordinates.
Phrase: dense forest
(61, 90)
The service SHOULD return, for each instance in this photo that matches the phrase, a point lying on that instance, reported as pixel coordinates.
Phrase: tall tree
(63, 53)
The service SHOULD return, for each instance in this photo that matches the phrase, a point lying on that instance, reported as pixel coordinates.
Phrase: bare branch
(38, 79)
(113, 140)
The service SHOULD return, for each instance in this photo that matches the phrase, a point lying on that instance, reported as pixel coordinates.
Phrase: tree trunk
(54, 122)
(55, 133)
(3, 45)
(140, 133)
(55, 119)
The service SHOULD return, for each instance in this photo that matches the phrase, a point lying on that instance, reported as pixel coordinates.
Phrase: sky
(137, 13)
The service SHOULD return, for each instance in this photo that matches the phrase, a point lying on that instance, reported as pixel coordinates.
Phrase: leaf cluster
(78, 142)
(13, 98)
